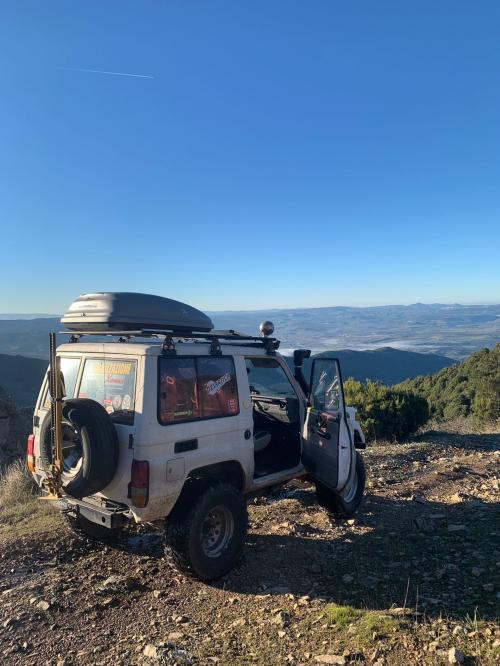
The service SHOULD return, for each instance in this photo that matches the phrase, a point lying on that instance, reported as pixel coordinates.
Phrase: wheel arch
(229, 471)
(201, 478)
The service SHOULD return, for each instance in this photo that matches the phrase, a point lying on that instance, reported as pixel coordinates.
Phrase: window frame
(105, 358)
(194, 358)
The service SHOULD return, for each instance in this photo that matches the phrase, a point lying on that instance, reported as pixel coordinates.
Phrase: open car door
(326, 450)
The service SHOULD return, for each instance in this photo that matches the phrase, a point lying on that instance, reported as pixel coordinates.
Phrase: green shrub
(468, 389)
(385, 413)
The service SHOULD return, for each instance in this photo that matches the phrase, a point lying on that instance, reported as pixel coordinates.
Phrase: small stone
(181, 619)
(455, 656)
(336, 659)
(157, 593)
(151, 651)
(281, 633)
(476, 571)
(43, 605)
(351, 521)
(175, 636)
(458, 630)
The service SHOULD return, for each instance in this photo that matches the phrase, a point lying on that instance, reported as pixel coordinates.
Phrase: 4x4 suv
(168, 420)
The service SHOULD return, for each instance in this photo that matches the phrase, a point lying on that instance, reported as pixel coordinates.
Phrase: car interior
(276, 417)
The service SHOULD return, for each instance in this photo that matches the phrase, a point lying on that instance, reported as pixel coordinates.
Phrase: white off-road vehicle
(165, 420)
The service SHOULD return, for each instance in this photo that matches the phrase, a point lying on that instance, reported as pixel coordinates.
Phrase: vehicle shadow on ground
(439, 558)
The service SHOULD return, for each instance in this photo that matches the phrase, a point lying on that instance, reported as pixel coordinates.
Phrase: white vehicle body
(178, 451)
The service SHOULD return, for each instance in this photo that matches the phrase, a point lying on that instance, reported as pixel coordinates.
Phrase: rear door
(326, 443)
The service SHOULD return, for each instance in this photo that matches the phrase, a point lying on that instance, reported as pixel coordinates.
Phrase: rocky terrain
(414, 579)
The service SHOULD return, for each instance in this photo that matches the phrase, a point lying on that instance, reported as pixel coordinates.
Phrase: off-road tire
(86, 529)
(100, 454)
(334, 502)
(183, 532)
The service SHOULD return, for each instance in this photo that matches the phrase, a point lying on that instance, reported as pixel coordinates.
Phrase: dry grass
(20, 508)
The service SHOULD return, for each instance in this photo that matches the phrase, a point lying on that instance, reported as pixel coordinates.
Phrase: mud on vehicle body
(168, 421)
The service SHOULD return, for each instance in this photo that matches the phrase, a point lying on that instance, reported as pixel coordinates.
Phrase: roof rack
(214, 337)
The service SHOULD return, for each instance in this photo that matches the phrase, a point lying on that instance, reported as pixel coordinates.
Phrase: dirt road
(414, 579)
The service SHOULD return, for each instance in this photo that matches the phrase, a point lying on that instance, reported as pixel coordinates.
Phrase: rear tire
(86, 529)
(93, 445)
(205, 538)
(345, 504)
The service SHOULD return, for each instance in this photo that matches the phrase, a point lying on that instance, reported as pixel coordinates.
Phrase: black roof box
(127, 311)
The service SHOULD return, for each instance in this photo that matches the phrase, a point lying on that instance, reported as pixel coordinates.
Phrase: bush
(385, 413)
(18, 492)
(468, 389)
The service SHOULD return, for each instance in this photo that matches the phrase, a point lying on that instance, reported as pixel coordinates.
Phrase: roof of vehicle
(155, 348)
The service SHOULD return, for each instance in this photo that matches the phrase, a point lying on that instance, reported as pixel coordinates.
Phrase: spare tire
(90, 447)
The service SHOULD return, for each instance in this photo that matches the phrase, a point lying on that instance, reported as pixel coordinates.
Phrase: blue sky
(283, 154)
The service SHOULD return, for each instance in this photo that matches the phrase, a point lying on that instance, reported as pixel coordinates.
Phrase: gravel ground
(413, 579)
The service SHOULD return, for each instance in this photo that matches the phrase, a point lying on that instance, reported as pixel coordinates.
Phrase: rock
(175, 636)
(455, 656)
(458, 630)
(476, 571)
(181, 619)
(109, 601)
(43, 605)
(158, 593)
(335, 659)
(151, 651)
(282, 619)
(118, 584)
(281, 633)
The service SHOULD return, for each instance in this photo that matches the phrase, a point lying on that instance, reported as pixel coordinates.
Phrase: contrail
(100, 71)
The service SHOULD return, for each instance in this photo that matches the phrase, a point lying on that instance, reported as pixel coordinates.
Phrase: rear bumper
(99, 512)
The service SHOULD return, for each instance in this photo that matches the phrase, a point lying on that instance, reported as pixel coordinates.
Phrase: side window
(217, 384)
(69, 370)
(196, 388)
(325, 386)
(267, 377)
(178, 390)
(112, 384)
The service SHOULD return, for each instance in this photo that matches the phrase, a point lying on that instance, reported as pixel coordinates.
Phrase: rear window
(196, 388)
(69, 370)
(110, 382)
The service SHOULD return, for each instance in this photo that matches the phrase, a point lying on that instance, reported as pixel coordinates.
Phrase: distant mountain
(33, 315)
(21, 378)
(448, 330)
(386, 365)
(29, 337)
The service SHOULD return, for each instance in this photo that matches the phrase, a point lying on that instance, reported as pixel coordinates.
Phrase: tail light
(30, 453)
(139, 483)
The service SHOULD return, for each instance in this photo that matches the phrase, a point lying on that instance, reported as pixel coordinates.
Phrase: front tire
(205, 538)
(346, 503)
